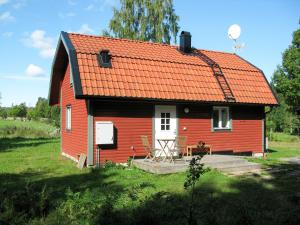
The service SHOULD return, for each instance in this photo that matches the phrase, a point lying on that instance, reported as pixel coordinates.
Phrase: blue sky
(29, 30)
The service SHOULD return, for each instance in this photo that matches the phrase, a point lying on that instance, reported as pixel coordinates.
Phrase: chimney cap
(185, 33)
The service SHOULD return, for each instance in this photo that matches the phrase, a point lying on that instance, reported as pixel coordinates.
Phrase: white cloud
(7, 34)
(72, 2)
(19, 4)
(6, 17)
(65, 15)
(101, 5)
(85, 29)
(37, 39)
(34, 71)
(90, 7)
(2, 2)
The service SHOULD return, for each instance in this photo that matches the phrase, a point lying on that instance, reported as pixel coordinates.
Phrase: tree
(286, 79)
(281, 119)
(146, 20)
(18, 110)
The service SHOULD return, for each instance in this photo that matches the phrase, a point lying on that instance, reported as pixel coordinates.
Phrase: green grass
(282, 137)
(29, 129)
(130, 196)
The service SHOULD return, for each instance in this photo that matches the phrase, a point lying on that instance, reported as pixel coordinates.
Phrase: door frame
(153, 121)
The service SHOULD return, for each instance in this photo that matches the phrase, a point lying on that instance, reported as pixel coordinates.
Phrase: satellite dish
(234, 31)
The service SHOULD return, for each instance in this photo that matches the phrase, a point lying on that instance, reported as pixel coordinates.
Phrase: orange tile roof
(162, 72)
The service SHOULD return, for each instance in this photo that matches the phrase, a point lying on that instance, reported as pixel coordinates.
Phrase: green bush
(21, 206)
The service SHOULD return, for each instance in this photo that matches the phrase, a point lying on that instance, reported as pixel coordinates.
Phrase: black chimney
(185, 41)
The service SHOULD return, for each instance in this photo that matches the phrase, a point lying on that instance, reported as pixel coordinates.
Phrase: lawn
(39, 186)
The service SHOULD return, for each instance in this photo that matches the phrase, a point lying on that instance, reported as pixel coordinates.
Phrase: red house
(131, 88)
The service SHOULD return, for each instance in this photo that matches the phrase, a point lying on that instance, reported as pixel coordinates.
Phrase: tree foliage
(43, 110)
(286, 79)
(286, 82)
(18, 110)
(146, 20)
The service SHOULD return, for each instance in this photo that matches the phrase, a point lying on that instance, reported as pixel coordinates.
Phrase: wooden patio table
(163, 142)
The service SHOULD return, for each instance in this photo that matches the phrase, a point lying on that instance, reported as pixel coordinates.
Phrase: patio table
(164, 144)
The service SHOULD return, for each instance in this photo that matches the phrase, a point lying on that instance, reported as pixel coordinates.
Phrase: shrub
(24, 205)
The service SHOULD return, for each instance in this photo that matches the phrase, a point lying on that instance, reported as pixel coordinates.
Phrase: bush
(24, 205)
(79, 208)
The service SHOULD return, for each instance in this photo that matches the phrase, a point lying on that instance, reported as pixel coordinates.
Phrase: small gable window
(104, 58)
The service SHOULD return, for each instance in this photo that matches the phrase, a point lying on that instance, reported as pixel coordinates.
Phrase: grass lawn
(116, 195)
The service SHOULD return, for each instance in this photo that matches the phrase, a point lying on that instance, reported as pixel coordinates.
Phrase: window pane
(216, 118)
(167, 115)
(167, 121)
(162, 127)
(162, 121)
(162, 115)
(224, 117)
(167, 127)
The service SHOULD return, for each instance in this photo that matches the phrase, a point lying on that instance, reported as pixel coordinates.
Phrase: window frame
(229, 119)
(68, 118)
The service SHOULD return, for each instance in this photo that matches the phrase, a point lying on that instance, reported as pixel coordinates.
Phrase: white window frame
(68, 117)
(228, 124)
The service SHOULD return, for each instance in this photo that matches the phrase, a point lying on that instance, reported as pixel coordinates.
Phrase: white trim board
(69, 157)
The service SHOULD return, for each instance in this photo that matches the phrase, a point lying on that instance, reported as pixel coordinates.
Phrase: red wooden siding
(134, 119)
(74, 142)
(130, 121)
(246, 133)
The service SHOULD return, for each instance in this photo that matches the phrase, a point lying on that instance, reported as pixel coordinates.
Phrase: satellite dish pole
(234, 32)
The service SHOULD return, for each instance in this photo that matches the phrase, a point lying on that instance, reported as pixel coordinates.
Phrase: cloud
(65, 15)
(37, 39)
(6, 17)
(19, 4)
(34, 71)
(2, 2)
(7, 34)
(85, 29)
(90, 7)
(72, 2)
(101, 5)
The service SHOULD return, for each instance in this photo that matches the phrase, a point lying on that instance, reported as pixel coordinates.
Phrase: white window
(221, 119)
(68, 117)
(165, 121)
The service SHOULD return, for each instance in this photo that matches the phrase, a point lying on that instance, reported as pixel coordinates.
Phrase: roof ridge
(123, 39)
(145, 42)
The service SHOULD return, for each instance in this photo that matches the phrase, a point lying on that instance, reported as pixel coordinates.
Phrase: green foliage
(195, 171)
(18, 110)
(25, 204)
(79, 208)
(281, 119)
(282, 137)
(3, 113)
(286, 79)
(42, 110)
(147, 20)
(27, 129)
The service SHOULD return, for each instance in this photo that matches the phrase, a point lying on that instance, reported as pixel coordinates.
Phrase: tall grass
(26, 129)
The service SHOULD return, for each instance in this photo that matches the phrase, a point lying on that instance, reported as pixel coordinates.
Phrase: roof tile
(160, 71)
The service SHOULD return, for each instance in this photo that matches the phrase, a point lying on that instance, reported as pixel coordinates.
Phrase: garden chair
(148, 148)
(179, 147)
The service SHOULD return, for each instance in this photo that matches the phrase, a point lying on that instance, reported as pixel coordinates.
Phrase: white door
(165, 123)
